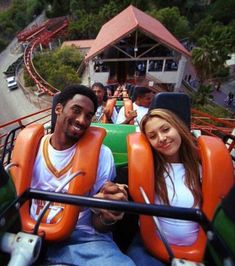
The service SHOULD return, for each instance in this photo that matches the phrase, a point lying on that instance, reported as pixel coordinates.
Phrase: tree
(202, 95)
(59, 8)
(223, 11)
(62, 76)
(168, 17)
(204, 59)
(204, 27)
(69, 56)
(107, 12)
(59, 67)
(86, 26)
(212, 51)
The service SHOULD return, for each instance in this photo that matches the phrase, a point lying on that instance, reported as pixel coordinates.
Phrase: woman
(177, 175)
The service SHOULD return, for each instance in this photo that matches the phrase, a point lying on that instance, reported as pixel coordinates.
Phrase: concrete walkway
(220, 96)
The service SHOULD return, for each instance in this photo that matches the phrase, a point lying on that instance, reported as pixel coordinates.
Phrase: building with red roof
(135, 47)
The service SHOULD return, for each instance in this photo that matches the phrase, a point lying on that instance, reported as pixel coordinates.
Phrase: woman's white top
(178, 232)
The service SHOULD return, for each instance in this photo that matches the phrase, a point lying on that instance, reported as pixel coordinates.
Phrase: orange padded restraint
(110, 104)
(217, 179)
(24, 153)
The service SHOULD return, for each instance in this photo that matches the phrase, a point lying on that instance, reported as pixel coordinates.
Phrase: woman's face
(164, 138)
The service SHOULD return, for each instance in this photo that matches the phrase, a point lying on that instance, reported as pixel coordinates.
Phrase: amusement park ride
(21, 238)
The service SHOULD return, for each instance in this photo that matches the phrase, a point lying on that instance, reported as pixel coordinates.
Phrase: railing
(210, 125)
(10, 130)
(35, 37)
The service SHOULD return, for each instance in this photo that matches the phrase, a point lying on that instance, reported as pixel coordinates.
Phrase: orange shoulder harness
(24, 153)
(217, 179)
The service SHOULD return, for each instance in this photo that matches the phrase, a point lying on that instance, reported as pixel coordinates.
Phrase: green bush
(214, 110)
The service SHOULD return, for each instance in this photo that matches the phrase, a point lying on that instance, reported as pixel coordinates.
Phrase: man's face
(99, 92)
(146, 100)
(75, 117)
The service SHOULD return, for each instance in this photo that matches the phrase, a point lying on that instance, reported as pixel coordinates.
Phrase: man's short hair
(98, 84)
(140, 92)
(68, 93)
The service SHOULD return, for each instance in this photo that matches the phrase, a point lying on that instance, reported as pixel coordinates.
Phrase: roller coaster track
(37, 36)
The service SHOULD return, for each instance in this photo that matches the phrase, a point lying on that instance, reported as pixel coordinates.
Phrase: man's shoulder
(105, 149)
(106, 154)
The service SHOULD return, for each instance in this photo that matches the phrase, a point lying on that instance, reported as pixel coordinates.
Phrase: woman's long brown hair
(188, 154)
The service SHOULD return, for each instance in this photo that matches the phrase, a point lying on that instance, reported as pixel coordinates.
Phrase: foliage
(214, 110)
(223, 11)
(202, 59)
(168, 17)
(63, 76)
(59, 66)
(108, 11)
(202, 95)
(28, 81)
(16, 17)
(3, 44)
(203, 28)
(231, 27)
(68, 56)
(212, 51)
(58, 8)
(191, 9)
(85, 26)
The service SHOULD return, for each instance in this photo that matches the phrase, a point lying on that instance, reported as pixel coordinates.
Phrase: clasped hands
(111, 191)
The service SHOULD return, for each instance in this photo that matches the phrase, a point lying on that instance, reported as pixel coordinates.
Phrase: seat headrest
(178, 103)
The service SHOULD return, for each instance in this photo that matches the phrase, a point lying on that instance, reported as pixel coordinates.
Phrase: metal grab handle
(157, 223)
(46, 206)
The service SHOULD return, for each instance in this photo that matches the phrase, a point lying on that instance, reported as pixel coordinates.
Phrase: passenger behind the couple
(142, 99)
(101, 93)
(177, 179)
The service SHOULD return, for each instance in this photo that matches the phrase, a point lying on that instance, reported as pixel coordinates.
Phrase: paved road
(13, 104)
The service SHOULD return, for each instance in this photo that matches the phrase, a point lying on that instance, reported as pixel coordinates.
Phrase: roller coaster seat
(178, 103)
(115, 139)
(29, 138)
(224, 226)
(217, 179)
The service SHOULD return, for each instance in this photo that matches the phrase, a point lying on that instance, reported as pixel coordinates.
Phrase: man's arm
(122, 119)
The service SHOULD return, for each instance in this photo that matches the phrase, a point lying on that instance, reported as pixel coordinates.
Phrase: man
(142, 99)
(91, 242)
(101, 94)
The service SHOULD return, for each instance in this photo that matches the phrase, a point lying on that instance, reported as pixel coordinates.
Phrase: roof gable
(128, 21)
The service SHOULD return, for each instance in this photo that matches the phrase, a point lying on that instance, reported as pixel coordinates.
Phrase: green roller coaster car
(116, 140)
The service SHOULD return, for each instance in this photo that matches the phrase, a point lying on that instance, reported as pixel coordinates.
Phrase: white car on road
(11, 83)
